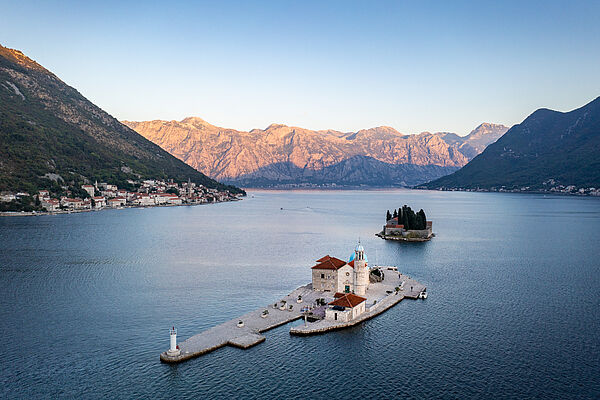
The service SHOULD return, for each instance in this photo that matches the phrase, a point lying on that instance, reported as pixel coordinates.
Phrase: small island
(407, 226)
(342, 294)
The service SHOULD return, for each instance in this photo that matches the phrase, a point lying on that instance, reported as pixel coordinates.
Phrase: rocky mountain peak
(17, 57)
(292, 155)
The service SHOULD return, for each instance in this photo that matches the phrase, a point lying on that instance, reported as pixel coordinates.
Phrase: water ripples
(87, 299)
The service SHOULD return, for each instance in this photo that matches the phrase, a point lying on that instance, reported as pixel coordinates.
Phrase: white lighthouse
(173, 350)
(361, 271)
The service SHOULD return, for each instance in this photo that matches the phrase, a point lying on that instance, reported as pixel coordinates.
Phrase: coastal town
(147, 193)
(549, 187)
(342, 294)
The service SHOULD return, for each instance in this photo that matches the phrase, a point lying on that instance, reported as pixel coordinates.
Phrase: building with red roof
(345, 307)
(331, 274)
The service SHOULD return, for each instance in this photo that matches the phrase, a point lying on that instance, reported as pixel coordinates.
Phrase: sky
(412, 65)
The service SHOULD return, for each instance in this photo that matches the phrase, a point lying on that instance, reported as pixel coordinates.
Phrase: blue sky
(416, 66)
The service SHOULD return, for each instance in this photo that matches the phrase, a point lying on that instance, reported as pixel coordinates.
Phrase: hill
(51, 137)
(549, 150)
(284, 156)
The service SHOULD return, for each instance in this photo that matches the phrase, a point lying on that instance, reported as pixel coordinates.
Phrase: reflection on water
(513, 309)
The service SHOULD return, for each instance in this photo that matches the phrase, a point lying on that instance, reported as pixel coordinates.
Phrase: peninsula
(342, 294)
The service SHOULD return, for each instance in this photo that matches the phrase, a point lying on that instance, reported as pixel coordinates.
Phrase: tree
(388, 216)
(419, 221)
(395, 214)
(405, 219)
(423, 219)
(412, 219)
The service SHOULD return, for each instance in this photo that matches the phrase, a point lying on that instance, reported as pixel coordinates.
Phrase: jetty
(246, 331)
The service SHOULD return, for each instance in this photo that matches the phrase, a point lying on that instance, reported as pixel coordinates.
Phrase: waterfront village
(148, 193)
(341, 294)
(550, 187)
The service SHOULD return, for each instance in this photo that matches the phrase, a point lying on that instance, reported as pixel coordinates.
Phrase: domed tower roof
(358, 249)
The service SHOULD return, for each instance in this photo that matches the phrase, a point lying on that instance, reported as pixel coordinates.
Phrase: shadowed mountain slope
(51, 135)
(548, 148)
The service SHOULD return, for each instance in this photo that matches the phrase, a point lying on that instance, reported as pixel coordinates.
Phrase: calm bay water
(513, 309)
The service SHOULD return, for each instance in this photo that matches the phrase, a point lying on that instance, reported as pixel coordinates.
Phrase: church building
(331, 274)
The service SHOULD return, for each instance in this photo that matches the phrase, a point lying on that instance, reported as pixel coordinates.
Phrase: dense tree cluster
(407, 217)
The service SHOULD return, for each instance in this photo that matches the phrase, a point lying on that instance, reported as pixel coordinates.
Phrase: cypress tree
(388, 216)
(420, 222)
(412, 220)
(395, 213)
(422, 219)
(405, 219)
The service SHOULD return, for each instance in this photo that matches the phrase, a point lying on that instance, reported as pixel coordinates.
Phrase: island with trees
(406, 225)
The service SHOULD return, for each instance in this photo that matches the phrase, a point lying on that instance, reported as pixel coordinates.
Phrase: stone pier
(381, 296)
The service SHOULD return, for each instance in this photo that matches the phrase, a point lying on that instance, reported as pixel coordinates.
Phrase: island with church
(342, 294)
(406, 226)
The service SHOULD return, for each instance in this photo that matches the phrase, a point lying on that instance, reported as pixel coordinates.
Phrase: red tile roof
(329, 263)
(348, 300)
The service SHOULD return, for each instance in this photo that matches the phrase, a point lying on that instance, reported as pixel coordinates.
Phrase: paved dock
(380, 297)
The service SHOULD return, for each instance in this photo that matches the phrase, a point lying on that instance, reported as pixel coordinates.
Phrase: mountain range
(52, 136)
(547, 150)
(285, 156)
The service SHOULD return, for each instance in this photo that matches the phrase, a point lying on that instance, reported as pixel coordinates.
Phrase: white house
(143, 199)
(116, 202)
(71, 203)
(50, 204)
(89, 188)
(160, 198)
(7, 197)
(345, 307)
(174, 199)
(99, 202)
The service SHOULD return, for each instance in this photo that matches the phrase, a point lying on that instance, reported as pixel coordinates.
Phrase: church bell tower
(361, 271)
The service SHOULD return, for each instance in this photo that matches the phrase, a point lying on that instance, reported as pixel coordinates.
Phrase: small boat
(282, 306)
(265, 314)
(240, 324)
(423, 294)
(299, 299)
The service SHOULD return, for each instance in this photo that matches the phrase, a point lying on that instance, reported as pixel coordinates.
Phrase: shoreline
(398, 188)
(40, 213)
(404, 239)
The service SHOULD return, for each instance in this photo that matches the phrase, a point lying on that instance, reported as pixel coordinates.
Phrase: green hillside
(548, 149)
(52, 136)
